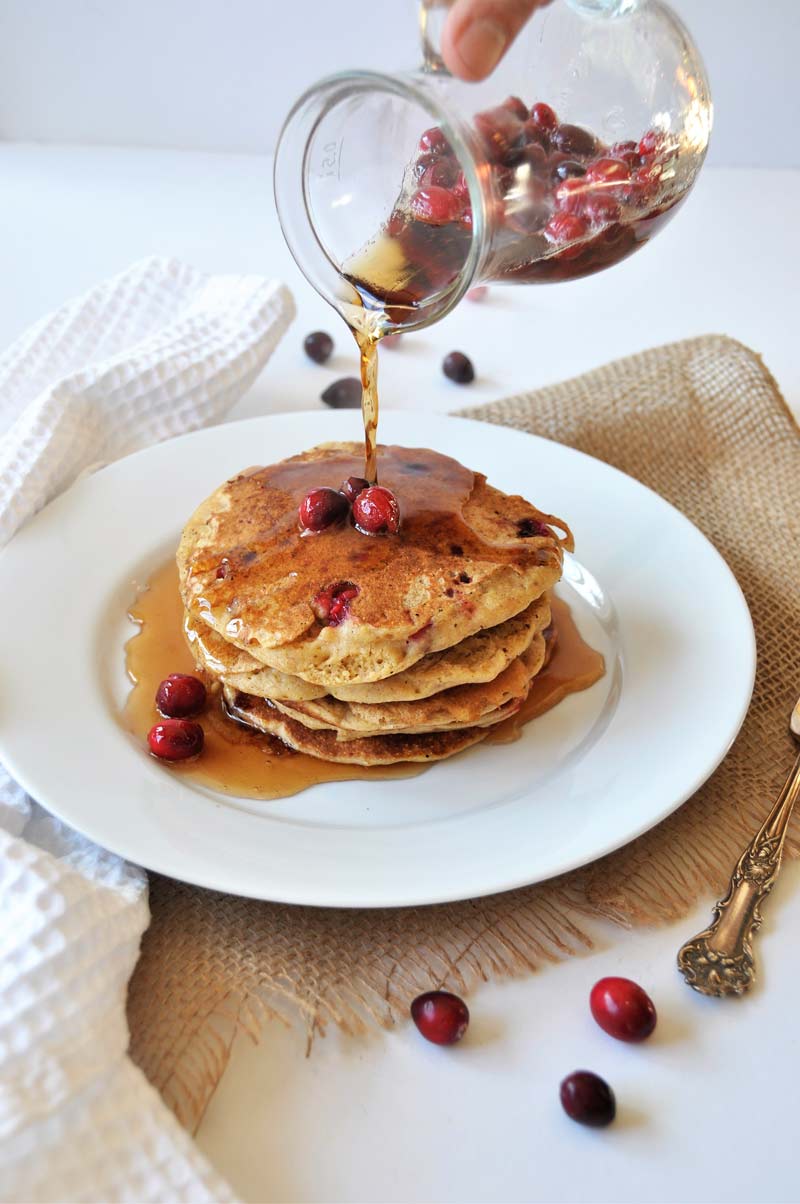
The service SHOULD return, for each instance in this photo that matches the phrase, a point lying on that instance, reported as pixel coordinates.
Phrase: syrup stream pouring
(719, 961)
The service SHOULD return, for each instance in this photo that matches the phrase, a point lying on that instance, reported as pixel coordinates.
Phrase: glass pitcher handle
(432, 16)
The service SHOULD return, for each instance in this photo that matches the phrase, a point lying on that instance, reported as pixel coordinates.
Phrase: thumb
(477, 34)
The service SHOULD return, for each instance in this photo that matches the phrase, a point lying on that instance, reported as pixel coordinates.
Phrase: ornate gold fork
(719, 961)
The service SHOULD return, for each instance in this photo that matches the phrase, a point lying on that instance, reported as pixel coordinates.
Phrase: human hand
(477, 33)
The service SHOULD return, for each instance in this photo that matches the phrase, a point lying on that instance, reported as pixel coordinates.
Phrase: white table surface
(707, 1108)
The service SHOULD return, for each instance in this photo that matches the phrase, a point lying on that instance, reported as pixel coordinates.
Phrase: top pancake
(467, 557)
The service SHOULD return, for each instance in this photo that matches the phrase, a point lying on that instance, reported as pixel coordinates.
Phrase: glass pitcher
(398, 193)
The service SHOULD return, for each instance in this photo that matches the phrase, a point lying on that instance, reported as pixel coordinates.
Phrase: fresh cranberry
(180, 695)
(622, 1009)
(517, 107)
(436, 206)
(433, 141)
(501, 131)
(375, 511)
(479, 293)
(544, 116)
(574, 140)
(626, 152)
(441, 1017)
(318, 346)
(320, 508)
(175, 739)
(567, 169)
(442, 173)
(461, 188)
(458, 367)
(570, 194)
(652, 143)
(565, 227)
(343, 394)
(600, 209)
(608, 171)
(332, 604)
(352, 486)
(587, 1098)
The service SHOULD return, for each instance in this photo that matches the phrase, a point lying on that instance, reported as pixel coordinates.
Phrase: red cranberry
(600, 209)
(517, 107)
(320, 508)
(544, 116)
(588, 1099)
(343, 394)
(461, 188)
(318, 346)
(436, 206)
(433, 141)
(458, 367)
(442, 173)
(352, 486)
(608, 171)
(501, 131)
(574, 140)
(180, 695)
(652, 143)
(175, 739)
(570, 194)
(626, 152)
(441, 1017)
(622, 1009)
(565, 227)
(332, 604)
(375, 510)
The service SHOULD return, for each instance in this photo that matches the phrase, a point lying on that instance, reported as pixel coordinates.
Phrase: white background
(220, 74)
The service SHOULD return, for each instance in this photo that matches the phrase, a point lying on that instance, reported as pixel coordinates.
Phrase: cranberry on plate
(175, 739)
(320, 508)
(440, 1016)
(180, 695)
(622, 1009)
(376, 511)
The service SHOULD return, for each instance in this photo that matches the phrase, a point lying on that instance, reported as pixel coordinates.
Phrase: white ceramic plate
(587, 777)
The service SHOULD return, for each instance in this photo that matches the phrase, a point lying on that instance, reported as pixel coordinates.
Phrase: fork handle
(719, 961)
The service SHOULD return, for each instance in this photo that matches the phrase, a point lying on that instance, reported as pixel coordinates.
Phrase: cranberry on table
(587, 1098)
(622, 1009)
(440, 1016)
(458, 367)
(376, 511)
(320, 508)
(175, 739)
(180, 695)
(318, 346)
(343, 394)
(352, 486)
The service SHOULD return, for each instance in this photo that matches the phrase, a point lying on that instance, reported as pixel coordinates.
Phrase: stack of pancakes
(443, 630)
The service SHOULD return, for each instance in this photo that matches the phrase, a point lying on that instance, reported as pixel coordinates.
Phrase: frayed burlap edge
(703, 423)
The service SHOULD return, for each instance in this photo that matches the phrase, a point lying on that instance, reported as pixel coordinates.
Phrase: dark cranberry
(535, 135)
(465, 578)
(501, 131)
(528, 527)
(608, 171)
(458, 367)
(318, 346)
(517, 107)
(574, 140)
(441, 1017)
(180, 695)
(568, 169)
(622, 1009)
(175, 739)
(534, 155)
(436, 206)
(375, 511)
(320, 508)
(544, 116)
(352, 486)
(442, 173)
(332, 604)
(588, 1099)
(433, 141)
(565, 227)
(223, 569)
(343, 394)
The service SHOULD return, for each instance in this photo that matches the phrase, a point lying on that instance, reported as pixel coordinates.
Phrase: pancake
(371, 750)
(460, 707)
(467, 557)
(479, 658)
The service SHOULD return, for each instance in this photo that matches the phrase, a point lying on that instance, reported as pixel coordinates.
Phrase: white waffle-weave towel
(156, 351)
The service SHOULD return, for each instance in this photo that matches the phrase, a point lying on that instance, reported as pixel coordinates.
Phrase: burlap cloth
(703, 423)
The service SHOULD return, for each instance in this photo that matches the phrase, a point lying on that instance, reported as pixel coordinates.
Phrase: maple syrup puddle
(248, 764)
